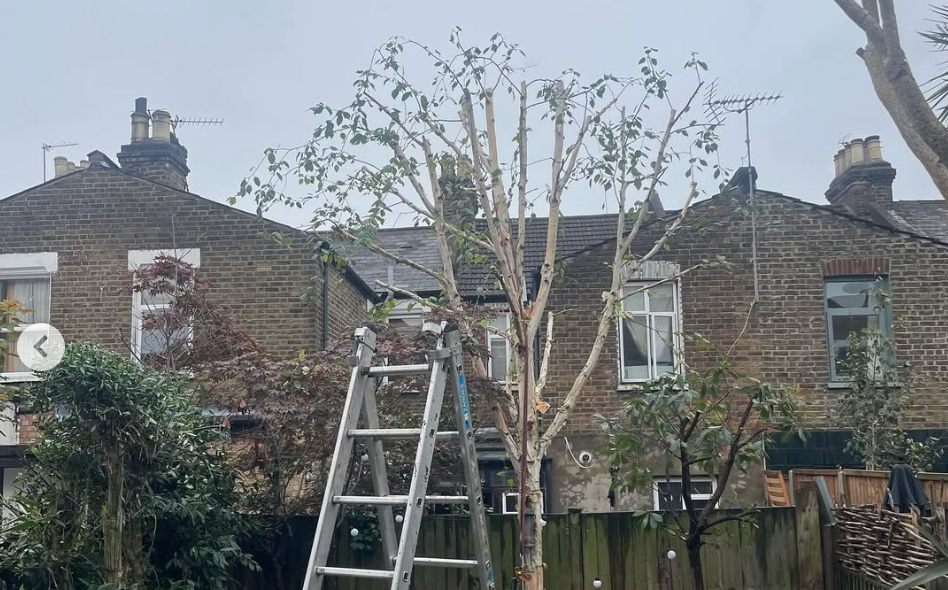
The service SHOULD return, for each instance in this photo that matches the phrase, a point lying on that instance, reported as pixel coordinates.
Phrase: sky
(73, 70)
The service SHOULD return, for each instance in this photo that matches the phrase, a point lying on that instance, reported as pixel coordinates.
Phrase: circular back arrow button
(40, 347)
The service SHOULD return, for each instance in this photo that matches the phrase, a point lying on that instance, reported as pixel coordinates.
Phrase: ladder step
(349, 572)
(396, 370)
(410, 433)
(441, 562)
(396, 500)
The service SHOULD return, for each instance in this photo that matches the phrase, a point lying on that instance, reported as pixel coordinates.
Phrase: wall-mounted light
(597, 583)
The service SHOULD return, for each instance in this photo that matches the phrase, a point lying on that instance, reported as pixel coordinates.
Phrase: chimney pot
(859, 154)
(873, 148)
(141, 105)
(838, 162)
(83, 163)
(161, 126)
(70, 167)
(60, 165)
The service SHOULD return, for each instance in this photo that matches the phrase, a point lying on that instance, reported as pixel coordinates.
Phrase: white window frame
(492, 337)
(883, 313)
(503, 505)
(660, 479)
(139, 258)
(33, 265)
(675, 316)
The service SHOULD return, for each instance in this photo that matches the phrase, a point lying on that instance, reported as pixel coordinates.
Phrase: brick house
(815, 267)
(67, 247)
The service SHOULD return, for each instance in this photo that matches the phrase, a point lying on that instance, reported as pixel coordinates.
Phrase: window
(499, 348)
(407, 315)
(854, 305)
(511, 503)
(667, 492)
(155, 332)
(26, 279)
(648, 334)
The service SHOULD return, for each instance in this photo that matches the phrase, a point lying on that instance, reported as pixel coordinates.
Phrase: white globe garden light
(399, 518)
(671, 554)
(354, 532)
(597, 583)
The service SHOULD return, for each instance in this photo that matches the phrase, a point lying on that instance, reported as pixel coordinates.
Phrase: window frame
(884, 314)
(490, 337)
(660, 479)
(675, 315)
(139, 258)
(503, 505)
(28, 266)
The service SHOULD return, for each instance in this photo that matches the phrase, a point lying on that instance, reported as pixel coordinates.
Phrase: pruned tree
(710, 424)
(896, 86)
(472, 126)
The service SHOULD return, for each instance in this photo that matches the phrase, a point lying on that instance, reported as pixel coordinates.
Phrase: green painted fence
(578, 548)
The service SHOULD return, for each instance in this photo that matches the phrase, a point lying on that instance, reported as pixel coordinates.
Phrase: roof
(99, 161)
(919, 219)
(415, 243)
(927, 218)
(420, 245)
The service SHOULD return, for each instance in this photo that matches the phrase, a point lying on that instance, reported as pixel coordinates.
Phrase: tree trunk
(532, 565)
(694, 562)
(113, 523)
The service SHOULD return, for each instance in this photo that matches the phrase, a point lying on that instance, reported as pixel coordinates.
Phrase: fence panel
(578, 549)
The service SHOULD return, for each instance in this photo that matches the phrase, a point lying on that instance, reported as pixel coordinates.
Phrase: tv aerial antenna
(48, 147)
(196, 122)
(717, 108)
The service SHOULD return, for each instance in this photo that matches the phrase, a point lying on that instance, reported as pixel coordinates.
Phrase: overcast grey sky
(73, 72)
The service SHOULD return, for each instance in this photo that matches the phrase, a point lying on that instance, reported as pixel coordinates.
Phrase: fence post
(809, 539)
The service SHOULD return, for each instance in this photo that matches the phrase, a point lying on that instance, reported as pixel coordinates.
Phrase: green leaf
(923, 576)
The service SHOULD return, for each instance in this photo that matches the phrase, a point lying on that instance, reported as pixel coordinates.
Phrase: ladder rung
(396, 500)
(409, 433)
(350, 572)
(395, 370)
(441, 562)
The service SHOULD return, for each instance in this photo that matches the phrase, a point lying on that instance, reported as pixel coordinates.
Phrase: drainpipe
(325, 313)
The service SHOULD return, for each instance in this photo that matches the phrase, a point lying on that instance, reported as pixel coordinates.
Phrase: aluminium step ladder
(446, 362)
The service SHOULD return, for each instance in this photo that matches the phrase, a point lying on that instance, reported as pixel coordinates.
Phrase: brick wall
(93, 218)
(785, 341)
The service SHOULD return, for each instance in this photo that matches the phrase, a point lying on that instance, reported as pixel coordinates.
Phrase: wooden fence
(858, 487)
(579, 548)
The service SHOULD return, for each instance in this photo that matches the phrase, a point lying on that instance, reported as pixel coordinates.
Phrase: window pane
(844, 325)
(698, 504)
(701, 487)
(406, 322)
(498, 358)
(150, 300)
(33, 294)
(843, 294)
(635, 347)
(161, 336)
(634, 302)
(500, 322)
(663, 344)
(661, 298)
(669, 495)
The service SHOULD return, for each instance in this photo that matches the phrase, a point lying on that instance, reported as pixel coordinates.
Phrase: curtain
(34, 294)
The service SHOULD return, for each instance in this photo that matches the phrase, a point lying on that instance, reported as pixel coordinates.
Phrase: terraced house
(816, 266)
(67, 247)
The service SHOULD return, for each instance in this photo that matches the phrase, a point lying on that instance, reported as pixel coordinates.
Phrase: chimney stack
(140, 120)
(159, 158)
(61, 166)
(863, 182)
